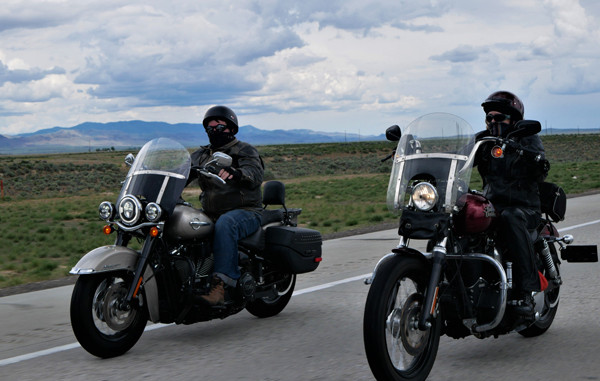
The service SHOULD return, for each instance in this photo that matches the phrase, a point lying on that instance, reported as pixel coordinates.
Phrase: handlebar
(205, 171)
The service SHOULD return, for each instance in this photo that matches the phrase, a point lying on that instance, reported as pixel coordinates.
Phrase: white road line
(578, 226)
(45, 352)
(152, 327)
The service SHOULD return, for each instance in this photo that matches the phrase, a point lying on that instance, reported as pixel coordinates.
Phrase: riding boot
(216, 296)
(524, 304)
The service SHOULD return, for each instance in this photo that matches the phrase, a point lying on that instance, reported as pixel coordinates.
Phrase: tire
(395, 349)
(267, 307)
(551, 299)
(100, 327)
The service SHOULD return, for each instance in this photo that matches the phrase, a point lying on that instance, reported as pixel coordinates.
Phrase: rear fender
(119, 258)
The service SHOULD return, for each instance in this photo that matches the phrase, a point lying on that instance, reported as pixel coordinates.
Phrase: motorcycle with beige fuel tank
(458, 282)
(120, 288)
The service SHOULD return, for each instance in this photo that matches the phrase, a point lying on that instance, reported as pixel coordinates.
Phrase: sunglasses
(496, 117)
(218, 128)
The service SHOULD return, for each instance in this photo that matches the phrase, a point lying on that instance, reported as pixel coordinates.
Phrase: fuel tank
(187, 223)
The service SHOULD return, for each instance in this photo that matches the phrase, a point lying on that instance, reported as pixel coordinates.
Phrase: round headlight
(130, 210)
(153, 212)
(106, 210)
(424, 196)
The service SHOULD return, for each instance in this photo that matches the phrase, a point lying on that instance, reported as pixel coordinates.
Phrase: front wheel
(271, 306)
(100, 325)
(396, 349)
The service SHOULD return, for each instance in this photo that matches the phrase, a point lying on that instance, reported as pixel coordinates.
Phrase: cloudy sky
(335, 65)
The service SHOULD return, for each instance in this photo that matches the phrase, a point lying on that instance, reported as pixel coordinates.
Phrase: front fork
(137, 275)
(432, 293)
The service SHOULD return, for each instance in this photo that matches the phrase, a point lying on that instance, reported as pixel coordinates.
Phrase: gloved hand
(230, 174)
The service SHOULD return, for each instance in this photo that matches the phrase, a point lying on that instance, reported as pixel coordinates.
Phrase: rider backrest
(274, 193)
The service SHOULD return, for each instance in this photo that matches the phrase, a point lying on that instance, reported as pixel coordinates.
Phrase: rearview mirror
(393, 133)
(129, 159)
(525, 128)
(222, 159)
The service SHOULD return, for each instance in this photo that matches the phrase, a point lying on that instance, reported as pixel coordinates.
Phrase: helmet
(223, 113)
(503, 101)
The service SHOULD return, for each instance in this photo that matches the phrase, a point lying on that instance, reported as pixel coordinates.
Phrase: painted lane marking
(45, 352)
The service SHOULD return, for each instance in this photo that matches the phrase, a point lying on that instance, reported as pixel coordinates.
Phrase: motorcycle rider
(235, 205)
(511, 184)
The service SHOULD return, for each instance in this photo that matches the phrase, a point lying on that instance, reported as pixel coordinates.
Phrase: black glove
(235, 173)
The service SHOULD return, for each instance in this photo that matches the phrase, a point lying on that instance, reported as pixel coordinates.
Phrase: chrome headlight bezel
(106, 210)
(130, 210)
(153, 212)
(424, 196)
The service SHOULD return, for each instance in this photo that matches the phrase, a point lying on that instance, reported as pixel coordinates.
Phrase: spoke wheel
(396, 348)
(100, 325)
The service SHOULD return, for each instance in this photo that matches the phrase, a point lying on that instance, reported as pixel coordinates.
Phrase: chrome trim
(162, 173)
(503, 292)
(137, 206)
(162, 190)
(136, 227)
(450, 185)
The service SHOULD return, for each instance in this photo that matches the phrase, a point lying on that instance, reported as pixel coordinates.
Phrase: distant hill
(128, 134)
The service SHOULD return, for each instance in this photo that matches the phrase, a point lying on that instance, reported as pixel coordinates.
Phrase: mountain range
(132, 134)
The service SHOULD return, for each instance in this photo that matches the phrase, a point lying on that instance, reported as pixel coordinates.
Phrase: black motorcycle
(453, 280)
(162, 257)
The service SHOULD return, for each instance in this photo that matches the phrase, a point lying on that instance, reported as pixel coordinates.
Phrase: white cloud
(344, 64)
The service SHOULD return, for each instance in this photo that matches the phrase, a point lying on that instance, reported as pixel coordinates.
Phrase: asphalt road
(317, 337)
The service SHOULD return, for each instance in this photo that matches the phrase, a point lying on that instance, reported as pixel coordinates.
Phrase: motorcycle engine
(247, 286)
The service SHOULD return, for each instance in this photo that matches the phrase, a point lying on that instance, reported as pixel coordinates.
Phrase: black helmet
(223, 113)
(508, 103)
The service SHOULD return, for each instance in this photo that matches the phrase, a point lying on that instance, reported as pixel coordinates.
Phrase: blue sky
(338, 65)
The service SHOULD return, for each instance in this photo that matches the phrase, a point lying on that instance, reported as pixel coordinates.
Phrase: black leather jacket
(513, 179)
(218, 198)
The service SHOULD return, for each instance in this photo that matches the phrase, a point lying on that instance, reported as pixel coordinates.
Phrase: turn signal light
(107, 229)
(154, 231)
(497, 152)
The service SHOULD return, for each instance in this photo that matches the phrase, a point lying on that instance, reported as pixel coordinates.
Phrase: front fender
(106, 258)
(396, 253)
(118, 258)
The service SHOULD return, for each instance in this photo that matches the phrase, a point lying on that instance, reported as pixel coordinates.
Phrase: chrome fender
(116, 258)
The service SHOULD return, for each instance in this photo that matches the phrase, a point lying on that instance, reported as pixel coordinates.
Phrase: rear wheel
(550, 298)
(100, 325)
(396, 349)
(271, 306)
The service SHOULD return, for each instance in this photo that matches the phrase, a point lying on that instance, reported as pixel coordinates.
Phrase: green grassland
(48, 214)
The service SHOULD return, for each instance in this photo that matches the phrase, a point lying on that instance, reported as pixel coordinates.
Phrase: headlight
(153, 212)
(424, 196)
(106, 210)
(130, 210)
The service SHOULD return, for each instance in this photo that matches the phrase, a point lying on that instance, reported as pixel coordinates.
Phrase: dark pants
(515, 242)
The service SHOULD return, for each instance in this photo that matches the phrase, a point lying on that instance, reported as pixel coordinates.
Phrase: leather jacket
(513, 179)
(218, 198)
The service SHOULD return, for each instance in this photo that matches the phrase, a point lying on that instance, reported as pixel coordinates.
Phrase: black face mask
(499, 129)
(219, 138)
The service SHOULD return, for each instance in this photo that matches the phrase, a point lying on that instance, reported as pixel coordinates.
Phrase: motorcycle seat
(256, 240)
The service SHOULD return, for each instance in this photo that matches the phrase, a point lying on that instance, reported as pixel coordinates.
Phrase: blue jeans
(229, 228)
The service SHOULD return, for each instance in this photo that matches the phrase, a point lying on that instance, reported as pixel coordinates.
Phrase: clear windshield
(159, 173)
(433, 148)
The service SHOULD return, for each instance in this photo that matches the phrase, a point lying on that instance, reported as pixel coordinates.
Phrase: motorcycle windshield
(159, 173)
(433, 148)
